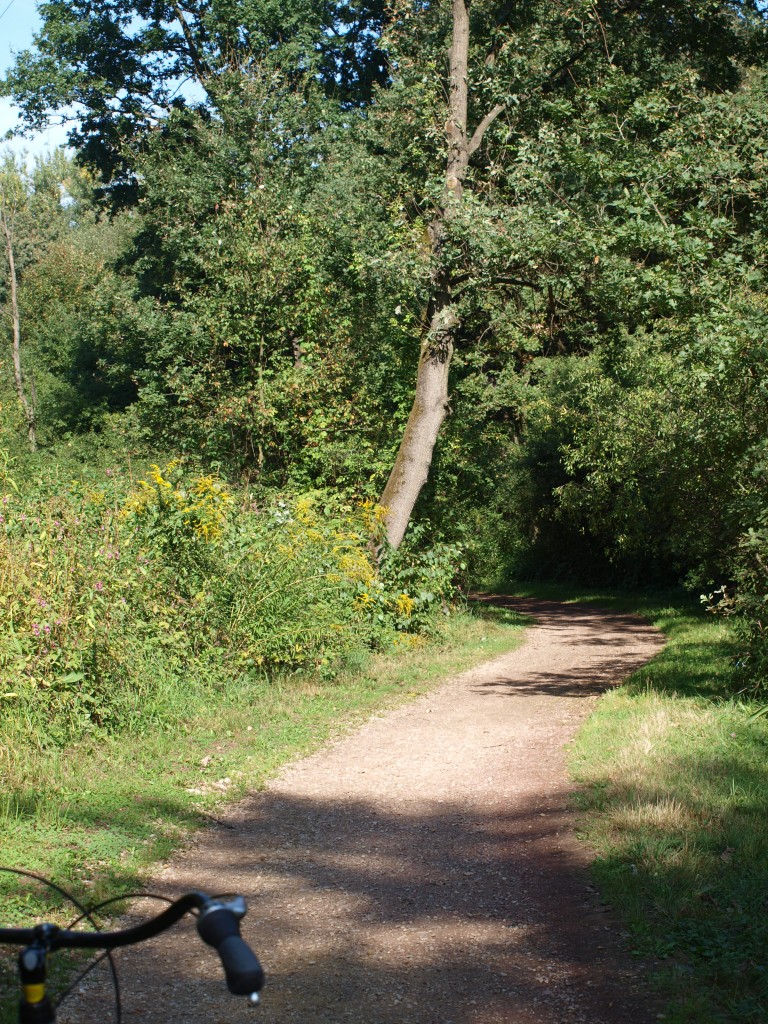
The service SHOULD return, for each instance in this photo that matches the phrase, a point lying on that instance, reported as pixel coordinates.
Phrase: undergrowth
(125, 603)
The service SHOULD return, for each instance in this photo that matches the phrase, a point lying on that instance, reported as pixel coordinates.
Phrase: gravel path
(422, 870)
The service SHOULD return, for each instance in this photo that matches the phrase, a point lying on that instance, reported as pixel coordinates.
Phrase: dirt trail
(422, 870)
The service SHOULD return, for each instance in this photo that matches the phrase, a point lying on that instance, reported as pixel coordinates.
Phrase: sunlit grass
(675, 802)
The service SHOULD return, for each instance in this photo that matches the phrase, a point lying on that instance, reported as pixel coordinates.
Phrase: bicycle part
(219, 926)
(34, 1007)
(87, 915)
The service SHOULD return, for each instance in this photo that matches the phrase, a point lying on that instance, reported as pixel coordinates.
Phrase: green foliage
(111, 592)
(261, 306)
(751, 607)
(81, 327)
(279, 331)
(618, 406)
(744, 602)
(644, 465)
(122, 63)
(422, 573)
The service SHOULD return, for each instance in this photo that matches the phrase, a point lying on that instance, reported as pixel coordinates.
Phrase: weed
(119, 596)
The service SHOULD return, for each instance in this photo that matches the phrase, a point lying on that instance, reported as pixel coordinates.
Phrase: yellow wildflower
(373, 515)
(156, 475)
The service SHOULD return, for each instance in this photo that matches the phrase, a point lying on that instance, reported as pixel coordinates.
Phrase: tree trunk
(430, 404)
(26, 405)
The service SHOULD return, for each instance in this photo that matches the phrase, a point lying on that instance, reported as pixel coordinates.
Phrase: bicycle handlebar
(218, 925)
(61, 938)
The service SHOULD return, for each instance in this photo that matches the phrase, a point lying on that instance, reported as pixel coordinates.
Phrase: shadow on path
(423, 870)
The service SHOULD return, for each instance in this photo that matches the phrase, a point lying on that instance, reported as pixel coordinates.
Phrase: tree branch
(517, 281)
(544, 87)
(477, 137)
(201, 70)
(653, 204)
(467, 282)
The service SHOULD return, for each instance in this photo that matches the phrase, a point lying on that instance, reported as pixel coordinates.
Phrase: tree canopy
(296, 211)
(116, 70)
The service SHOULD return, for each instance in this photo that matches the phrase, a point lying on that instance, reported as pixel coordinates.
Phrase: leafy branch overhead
(115, 69)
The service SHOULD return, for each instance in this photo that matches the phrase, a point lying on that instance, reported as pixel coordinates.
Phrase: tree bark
(430, 404)
(26, 405)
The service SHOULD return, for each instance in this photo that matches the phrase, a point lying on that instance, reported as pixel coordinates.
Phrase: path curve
(422, 870)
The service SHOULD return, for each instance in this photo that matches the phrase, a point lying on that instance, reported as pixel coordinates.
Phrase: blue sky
(18, 22)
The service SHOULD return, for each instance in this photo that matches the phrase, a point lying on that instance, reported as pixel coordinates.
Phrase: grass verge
(675, 802)
(97, 816)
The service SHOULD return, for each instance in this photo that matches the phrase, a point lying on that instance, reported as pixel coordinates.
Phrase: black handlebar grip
(220, 927)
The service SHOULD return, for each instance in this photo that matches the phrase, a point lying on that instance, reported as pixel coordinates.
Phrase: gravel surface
(423, 870)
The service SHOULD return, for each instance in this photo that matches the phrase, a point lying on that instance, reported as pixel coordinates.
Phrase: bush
(745, 602)
(420, 578)
(751, 606)
(115, 596)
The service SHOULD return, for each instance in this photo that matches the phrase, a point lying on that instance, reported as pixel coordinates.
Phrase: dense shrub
(748, 605)
(744, 598)
(113, 593)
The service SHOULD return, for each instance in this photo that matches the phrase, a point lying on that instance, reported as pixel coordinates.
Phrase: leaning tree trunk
(26, 405)
(411, 469)
(430, 404)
